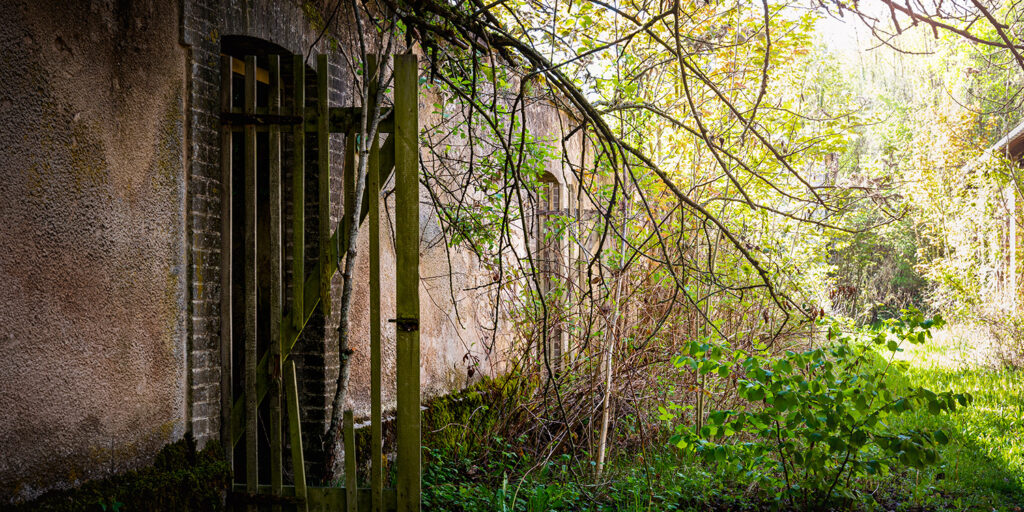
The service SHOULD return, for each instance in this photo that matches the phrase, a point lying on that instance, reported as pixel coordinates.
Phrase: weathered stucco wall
(458, 343)
(92, 216)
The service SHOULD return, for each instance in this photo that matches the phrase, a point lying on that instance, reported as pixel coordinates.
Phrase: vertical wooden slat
(567, 254)
(324, 169)
(276, 309)
(351, 491)
(251, 400)
(373, 185)
(298, 193)
(348, 193)
(226, 244)
(295, 433)
(407, 280)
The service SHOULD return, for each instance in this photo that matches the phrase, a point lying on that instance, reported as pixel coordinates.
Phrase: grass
(512, 482)
(983, 466)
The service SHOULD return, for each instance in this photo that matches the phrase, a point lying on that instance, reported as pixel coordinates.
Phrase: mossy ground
(180, 479)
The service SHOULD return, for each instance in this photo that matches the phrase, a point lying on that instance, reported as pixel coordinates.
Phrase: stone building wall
(93, 275)
(454, 336)
(111, 223)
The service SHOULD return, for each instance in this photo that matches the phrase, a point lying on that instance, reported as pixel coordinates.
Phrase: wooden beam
(407, 247)
(259, 119)
(226, 246)
(349, 119)
(324, 171)
(251, 401)
(238, 67)
(295, 434)
(372, 202)
(318, 498)
(298, 193)
(276, 307)
(340, 120)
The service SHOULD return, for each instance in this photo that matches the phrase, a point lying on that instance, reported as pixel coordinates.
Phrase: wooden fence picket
(272, 375)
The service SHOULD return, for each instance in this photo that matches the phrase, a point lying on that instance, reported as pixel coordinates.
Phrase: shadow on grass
(983, 465)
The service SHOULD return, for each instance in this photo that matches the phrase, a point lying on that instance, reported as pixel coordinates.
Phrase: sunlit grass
(983, 466)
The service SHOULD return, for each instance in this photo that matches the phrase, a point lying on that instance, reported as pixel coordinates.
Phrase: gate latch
(406, 324)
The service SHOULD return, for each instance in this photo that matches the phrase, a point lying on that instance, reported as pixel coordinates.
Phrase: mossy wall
(92, 270)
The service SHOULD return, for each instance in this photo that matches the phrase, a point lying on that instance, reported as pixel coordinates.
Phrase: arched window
(234, 50)
(549, 263)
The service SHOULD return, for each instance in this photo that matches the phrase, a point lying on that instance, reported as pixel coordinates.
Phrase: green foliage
(875, 272)
(180, 479)
(930, 117)
(504, 480)
(816, 419)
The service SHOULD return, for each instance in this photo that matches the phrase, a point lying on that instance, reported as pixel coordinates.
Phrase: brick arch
(286, 32)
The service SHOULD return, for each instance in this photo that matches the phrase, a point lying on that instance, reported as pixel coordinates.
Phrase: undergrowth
(474, 463)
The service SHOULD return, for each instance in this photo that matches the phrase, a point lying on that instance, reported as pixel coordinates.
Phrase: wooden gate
(270, 377)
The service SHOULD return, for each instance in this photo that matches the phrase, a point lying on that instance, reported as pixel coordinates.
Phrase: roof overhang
(1011, 147)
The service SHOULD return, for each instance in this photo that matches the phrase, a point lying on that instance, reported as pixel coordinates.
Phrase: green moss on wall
(88, 164)
(455, 423)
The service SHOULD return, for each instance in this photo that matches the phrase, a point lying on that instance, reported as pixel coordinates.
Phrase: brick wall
(205, 25)
(199, 23)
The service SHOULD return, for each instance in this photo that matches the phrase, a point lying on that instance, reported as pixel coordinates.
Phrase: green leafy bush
(815, 420)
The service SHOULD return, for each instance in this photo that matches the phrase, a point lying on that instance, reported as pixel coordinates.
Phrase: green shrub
(815, 420)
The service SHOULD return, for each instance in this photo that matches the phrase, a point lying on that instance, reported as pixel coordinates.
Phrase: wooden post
(373, 186)
(324, 169)
(226, 245)
(251, 400)
(407, 247)
(351, 489)
(276, 309)
(298, 193)
(295, 434)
